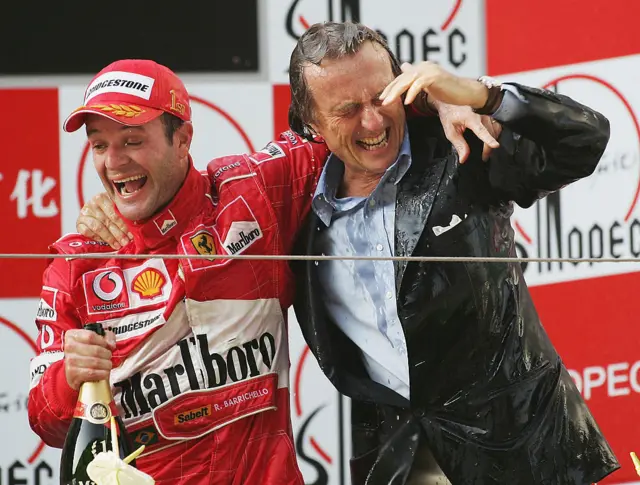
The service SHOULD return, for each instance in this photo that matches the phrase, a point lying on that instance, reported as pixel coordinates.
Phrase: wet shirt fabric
(360, 295)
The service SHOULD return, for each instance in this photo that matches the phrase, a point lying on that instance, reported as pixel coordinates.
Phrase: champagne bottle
(90, 429)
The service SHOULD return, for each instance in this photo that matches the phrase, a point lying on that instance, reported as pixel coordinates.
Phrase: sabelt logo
(140, 394)
(594, 217)
(192, 414)
(149, 283)
(440, 39)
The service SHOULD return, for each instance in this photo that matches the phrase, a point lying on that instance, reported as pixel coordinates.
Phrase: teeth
(121, 184)
(379, 141)
(129, 179)
(374, 141)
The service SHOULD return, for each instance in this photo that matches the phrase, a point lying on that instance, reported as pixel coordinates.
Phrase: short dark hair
(327, 40)
(171, 124)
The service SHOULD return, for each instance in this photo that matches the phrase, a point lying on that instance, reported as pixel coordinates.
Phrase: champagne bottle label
(95, 403)
(97, 412)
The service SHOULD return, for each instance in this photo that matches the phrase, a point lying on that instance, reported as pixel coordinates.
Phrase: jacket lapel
(416, 194)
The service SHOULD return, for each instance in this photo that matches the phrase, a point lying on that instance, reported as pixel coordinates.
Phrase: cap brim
(123, 114)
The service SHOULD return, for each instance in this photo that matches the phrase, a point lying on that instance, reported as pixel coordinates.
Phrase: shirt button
(379, 247)
(372, 202)
(392, 180)
(389, 295)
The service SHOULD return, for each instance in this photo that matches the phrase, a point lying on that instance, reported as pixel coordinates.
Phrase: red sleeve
(51, 400)
(289, 169)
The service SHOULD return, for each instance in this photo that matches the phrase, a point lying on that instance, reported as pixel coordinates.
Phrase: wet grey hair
(327, 40)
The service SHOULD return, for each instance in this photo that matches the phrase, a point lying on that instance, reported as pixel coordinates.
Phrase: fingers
(414, 90)
(87, 356)
(83, 229)
(78, 363)
(111, 339)
(458, 142)
(482, 133)
(494, 129)
(77, 374)
(486, 152)
(99, 220)
(91, 227)
(87, 338)
(396, 87)
(109, 209)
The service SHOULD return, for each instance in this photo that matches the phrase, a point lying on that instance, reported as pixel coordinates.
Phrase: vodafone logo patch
(113, 284)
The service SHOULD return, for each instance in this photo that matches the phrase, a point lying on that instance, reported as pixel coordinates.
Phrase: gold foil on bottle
(95, 399)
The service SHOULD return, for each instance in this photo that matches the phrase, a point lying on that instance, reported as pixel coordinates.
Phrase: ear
(182, 139)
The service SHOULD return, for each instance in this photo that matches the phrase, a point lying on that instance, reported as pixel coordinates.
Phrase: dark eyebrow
(124, 127)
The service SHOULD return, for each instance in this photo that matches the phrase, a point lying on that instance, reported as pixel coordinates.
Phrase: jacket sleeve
(548, 141)
(51, 399)
(289, 169)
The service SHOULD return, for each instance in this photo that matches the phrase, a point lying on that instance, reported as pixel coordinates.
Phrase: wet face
(348, 114)
(140, 170)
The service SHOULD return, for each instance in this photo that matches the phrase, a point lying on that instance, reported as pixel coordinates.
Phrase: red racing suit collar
(170, 222)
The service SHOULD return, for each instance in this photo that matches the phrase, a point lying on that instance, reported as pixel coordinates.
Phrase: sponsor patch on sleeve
(40, 364)
(291, 137)
(268, 153)
(47, 306)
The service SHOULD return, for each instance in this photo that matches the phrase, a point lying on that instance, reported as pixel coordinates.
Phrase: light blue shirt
(360, 296)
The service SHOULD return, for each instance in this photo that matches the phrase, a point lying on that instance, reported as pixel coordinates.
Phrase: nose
(372, 119)
(115, 158)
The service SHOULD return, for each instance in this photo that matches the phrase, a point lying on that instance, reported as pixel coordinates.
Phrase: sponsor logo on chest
(195, 367)
(115, 289)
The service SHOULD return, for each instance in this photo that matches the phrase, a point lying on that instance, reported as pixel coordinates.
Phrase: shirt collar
(324, 204)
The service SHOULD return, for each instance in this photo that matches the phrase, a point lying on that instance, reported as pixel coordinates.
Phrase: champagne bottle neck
(93, 392)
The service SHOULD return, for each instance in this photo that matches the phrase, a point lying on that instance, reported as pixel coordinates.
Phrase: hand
(98, 220)
(438, 83)
(456, 119)
(87, 356)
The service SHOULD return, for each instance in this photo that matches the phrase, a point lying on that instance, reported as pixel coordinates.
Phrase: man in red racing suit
(201, 345)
